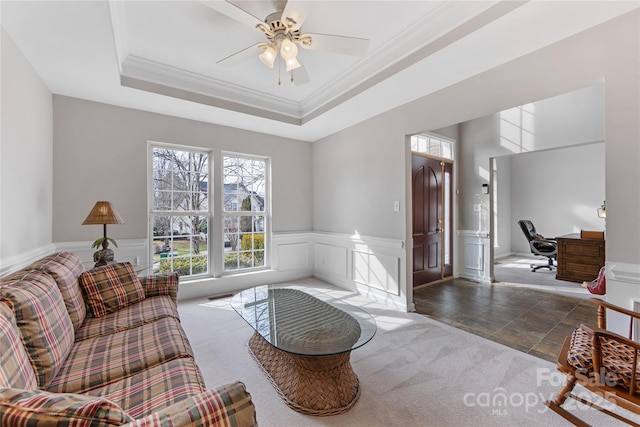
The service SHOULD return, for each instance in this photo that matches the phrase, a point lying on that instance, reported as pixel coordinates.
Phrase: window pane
(245, 193)
(180, 184)
(244, 184)
(434, 146)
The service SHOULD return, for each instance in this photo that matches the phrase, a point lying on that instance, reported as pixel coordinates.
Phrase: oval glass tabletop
(305, 322)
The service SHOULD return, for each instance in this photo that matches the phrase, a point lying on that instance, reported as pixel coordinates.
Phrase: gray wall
(357, 174)
(568, 119)
(377, 147)
(25, 153)
(559, 190)
(100, 153)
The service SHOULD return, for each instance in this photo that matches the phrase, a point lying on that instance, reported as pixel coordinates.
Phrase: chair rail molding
(134, 251)
(11, 264)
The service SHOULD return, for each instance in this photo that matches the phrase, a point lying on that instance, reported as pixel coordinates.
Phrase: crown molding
(140, 69)
(152, 76)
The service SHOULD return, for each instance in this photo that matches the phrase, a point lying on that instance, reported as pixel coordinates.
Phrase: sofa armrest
(228, 405)
(161, 284)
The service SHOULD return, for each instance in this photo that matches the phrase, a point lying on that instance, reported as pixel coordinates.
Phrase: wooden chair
(610, 376)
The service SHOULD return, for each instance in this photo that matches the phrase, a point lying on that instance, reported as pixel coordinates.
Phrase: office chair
(539, 245)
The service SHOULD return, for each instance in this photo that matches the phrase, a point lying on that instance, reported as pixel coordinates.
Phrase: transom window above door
(433, 145)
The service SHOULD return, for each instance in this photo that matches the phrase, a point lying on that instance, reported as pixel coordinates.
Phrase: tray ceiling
(161, 56)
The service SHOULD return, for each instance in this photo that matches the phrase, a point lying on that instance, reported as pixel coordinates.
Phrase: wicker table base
(312, 385)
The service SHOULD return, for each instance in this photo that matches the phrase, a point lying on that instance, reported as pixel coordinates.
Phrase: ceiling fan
(283, 33)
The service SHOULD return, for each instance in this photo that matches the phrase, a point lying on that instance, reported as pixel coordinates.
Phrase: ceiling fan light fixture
(292, 64)
(268, 56)
(288, 50)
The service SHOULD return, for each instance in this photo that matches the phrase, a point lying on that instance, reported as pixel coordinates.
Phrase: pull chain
(279, 71)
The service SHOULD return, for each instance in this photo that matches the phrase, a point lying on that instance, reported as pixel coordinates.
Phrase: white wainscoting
(475, 255)
(292, 252)
(369, 265)
(135, 251)
(372, 266)
(623, 290)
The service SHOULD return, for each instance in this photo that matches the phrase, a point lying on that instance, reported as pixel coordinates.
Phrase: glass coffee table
(303, 342)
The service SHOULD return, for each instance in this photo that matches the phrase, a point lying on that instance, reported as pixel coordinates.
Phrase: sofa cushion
(65, 268)
(228, 405)
(110, 288)
(154, 388)
(43, 321)
(99, 361)
(39, 408)
(146, 311)
(15, 367)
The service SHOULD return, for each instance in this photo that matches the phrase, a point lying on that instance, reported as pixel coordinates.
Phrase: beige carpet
(414, 372)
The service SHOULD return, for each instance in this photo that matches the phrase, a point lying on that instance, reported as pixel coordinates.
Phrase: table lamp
(103, 213)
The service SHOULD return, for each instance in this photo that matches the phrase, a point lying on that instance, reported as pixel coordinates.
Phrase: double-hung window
(245, 211)
(180, 210)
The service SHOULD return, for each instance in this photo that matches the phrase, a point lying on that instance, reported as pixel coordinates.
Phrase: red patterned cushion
(39, 408)
(65, 268)
(43, 321)
(617, 358)
(15, 368)
(110, 288)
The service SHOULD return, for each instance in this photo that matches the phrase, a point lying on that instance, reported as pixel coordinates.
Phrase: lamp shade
(268, 56)
(288, 49)
(292, 64)
(103, 213)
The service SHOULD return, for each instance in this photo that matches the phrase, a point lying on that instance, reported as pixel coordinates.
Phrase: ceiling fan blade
(297, 11)
(234, 12)
(337, 44)
(300, 75)
(243, 55)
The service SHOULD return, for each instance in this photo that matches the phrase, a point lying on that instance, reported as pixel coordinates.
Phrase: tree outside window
(180, 211)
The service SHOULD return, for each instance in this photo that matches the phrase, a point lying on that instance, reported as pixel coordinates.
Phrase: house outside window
(245, 213)
(180, 210)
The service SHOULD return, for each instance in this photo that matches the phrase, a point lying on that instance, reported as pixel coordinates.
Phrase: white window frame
(434, 138)
(152, 213)
(266, 213)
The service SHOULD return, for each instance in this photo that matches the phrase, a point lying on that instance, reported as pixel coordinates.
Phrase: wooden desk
(579, 260)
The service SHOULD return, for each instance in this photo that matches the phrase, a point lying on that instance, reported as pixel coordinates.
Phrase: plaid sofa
(102, 347)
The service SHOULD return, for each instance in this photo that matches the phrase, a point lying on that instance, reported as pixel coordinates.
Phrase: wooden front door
(432, 215)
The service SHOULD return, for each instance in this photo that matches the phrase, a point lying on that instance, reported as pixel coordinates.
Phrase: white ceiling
(161, 56)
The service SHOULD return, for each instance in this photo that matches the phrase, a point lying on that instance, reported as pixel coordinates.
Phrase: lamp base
(103, 257)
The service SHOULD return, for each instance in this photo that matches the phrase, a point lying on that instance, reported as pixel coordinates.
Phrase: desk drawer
(580, 260)
(582, 249)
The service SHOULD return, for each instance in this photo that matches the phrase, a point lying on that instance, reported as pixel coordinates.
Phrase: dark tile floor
(527, 320)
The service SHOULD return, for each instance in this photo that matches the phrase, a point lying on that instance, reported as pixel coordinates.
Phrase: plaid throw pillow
(36, 407)
(110, 288)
